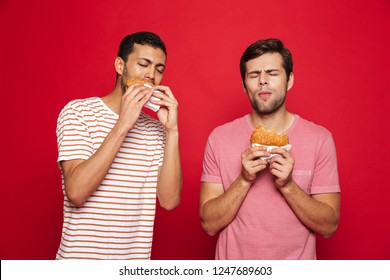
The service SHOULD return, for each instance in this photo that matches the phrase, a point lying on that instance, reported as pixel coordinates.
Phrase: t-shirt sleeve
(211, 170)
(73, 138)
(326, 178)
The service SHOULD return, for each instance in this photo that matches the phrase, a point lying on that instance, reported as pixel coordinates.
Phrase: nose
(263, 78)
(150, 73)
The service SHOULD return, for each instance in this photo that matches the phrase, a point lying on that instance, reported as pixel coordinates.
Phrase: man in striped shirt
(115, 159)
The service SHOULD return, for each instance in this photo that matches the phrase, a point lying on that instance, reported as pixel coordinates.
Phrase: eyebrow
(271, 70)
(259, 71)
(151, 62)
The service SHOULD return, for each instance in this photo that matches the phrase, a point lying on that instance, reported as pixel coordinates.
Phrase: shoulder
(83, 108)
(80, 111)
(310, 136)
(311, 129)
(229, 128)
(79, 105)
(231, 135)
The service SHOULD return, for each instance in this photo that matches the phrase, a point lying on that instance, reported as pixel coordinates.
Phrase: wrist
(288, 187)
(121, 128)
(172, 131)
(245, 182)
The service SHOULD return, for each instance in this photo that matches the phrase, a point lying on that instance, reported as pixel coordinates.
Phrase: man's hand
(133, 100)
(168, 113)
(252, 163)
(281, 166)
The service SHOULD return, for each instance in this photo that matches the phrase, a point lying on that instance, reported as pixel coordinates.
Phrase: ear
(119, 65)
(290, 82)
(244, 87)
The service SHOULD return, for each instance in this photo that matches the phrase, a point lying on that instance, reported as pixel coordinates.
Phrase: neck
(113, 99)
(278, 121)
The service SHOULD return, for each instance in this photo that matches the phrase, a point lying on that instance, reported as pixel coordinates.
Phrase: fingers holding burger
(134, 81)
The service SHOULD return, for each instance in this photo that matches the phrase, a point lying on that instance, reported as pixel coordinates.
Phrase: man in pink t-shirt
(269, 208)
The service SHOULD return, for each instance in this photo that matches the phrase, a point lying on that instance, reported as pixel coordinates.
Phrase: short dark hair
(261, 47)
(142, 38)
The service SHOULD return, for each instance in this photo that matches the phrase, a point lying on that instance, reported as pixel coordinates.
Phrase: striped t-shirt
(116, 221)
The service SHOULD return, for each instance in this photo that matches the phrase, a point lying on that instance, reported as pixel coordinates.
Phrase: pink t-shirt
(265, 226)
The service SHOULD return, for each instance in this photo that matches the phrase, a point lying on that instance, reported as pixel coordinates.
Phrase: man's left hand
(168, 113)
(281, 166)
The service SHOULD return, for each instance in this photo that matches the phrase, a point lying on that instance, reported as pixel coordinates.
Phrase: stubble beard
(264, 109)
(124, 78)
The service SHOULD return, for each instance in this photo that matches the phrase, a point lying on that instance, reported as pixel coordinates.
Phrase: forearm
(318, 216)
(219, 212)
(81, 180)
(170, 179)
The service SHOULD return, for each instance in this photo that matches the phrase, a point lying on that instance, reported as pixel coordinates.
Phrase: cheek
(251, 89)
(157, 78)
(125, 73)
(279, 82)
(134, 71)
(250, 85)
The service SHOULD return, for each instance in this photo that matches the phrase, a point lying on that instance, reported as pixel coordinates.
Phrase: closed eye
(253, 74)
(272, 72)
(161, 71)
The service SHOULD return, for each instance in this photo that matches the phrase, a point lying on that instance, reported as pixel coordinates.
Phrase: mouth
(264, 94)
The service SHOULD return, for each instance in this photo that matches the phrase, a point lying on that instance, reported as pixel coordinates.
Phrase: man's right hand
(252, 162)
(132, 102)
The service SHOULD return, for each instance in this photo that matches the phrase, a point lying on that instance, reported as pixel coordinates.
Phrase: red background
(55, 51)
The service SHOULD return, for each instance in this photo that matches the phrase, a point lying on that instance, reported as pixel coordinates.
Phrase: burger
(265, 137)
(269, 139)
